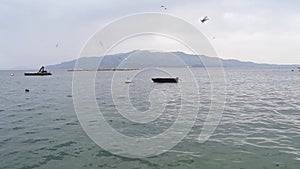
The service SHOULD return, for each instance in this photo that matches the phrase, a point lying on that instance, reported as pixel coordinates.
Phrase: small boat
(165, 80)
(41, 72)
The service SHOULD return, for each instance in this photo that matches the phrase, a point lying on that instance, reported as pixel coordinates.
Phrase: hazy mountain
(144, 58)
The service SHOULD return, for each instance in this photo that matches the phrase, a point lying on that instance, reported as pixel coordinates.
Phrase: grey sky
(259, 30)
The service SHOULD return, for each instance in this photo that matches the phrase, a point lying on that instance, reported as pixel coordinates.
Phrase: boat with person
(41, 72)
(165, 80)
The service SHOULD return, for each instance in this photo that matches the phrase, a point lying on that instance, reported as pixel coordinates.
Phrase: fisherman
(42, 69)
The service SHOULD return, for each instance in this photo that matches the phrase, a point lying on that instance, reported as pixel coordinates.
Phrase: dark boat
(41, 72)
(165, 80)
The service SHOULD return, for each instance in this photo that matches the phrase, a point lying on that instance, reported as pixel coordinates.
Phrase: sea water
(260, 125)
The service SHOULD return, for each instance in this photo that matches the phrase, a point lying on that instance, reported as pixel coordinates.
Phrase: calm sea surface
(260, 128)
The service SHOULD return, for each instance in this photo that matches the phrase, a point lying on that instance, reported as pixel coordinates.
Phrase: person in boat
(42, 70)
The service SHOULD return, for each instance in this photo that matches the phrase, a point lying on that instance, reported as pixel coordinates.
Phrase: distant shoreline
(290, 67)
(104, 69)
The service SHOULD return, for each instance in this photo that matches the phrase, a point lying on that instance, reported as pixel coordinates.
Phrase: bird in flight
(101, 44)
(204, 19)
(162, 6)
(56, 45)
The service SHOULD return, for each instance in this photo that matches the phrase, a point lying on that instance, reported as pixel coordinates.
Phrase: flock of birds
(203, 20)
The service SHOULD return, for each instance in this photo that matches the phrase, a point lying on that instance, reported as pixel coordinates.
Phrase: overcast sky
(263, 31)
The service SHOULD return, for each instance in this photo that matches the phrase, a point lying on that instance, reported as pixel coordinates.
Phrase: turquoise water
(260, 127)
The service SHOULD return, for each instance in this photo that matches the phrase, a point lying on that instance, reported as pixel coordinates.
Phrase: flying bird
(162, 6)
(101, 44)
(56, 45)
(204, 19)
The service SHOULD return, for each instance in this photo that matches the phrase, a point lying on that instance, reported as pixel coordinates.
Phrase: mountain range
(145, 58)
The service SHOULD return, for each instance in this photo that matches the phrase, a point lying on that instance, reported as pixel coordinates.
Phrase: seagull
(163, 7)
(204, 19)
(56, 45)
(101, 44)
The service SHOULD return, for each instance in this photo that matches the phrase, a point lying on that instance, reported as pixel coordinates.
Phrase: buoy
(12, 74)
(127, 80)
(26, 90)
